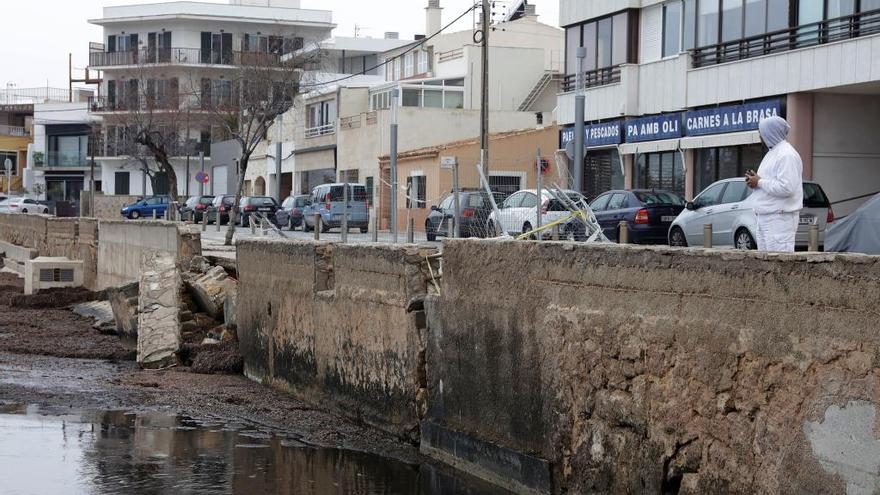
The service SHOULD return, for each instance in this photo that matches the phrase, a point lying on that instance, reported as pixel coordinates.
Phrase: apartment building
(440, 86)
(675, 90)
(348, 67)
(180, 54)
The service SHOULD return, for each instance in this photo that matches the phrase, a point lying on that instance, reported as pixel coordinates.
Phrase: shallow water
(152, 453)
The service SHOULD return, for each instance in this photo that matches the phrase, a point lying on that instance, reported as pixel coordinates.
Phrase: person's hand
(752, 179)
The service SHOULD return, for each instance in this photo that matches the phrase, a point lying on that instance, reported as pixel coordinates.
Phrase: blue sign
(733, 118)
(604, 134)
(653, 128)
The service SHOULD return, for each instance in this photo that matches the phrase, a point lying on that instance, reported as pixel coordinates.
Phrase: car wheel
(135, 215)
(24, 211)
(432, 236)
(527, 227)
(365, 230)
(677, 238)
(745, 241)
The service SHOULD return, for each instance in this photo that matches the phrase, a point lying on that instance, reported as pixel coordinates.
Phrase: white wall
(846, 151)
(574, 11)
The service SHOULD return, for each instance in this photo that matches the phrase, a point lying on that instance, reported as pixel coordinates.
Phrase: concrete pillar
(690, 177)
(628, 170)
(800, 116)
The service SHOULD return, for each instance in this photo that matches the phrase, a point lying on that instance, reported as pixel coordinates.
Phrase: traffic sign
(202, 177)
(448, 162)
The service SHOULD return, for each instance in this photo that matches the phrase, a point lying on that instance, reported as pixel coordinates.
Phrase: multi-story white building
(675, 90)
(173, 51)
(440, 86)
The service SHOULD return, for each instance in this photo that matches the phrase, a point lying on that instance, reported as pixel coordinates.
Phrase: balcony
(16, 131)
(181, 56)
(101, 104)
(808, 35)
(324, 130)
(65, 159)
(593, 78)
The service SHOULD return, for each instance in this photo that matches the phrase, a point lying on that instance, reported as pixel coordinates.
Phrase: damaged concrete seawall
(606, 369)
(330, 324)
(73, 238)
(122, 244)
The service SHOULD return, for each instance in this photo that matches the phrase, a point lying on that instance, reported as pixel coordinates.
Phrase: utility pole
(395, 96)
(202, 167)
(579, 109)
(484, 105)
(95, 137)
(278, 149)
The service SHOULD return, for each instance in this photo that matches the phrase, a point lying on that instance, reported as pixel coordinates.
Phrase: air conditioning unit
(50, 273)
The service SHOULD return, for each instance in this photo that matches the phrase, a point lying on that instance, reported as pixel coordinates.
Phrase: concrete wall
(122, 244)
(24, 230)
(329, 323)
(601, 369)
(107, 207)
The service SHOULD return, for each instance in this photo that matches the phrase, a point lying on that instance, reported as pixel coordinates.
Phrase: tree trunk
(165, 167)
(233, 215)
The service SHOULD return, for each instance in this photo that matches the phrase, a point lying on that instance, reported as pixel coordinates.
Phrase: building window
(707, 22)
(602, 172)
(660, 171)
(408, 61)
(606, 40)
(416, 192)
(731, 20)
(504, 184)
(672, 29)
(321, 118)
(68, 151)
(412, 98)
(714, 164)
(689, 26)
(13, 157)
(423, 62)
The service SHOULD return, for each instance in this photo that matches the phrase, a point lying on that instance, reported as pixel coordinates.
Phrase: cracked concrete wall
(649, 370)
(330, 323)
(123, 243)
(24, 230)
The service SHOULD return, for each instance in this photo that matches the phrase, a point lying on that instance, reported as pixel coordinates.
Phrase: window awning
(649, 147)
(718, 140)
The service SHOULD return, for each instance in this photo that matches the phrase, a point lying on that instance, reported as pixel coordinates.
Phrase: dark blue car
(648, 213)
(146, 207)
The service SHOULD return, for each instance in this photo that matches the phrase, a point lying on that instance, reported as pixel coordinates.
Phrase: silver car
(725, 204)
(22, 205)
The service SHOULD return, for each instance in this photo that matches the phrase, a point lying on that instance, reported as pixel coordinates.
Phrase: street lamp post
(8, 166)
(579, 111)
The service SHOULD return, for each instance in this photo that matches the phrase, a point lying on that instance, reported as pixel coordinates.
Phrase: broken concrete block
(210, 291)
(158, 311)
(230, 309)
(124, 304)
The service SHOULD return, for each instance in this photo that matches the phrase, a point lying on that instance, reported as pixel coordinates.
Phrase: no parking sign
(202, 177)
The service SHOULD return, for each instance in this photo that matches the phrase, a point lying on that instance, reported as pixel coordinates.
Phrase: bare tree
(246, 103)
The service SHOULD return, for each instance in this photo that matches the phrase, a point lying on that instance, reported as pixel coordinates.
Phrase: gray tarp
(857, 233)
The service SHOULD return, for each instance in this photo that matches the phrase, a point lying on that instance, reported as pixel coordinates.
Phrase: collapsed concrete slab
(211, 290)
(158, 330)
(124, 303)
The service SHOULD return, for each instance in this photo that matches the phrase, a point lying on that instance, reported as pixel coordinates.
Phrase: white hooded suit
(779, 197)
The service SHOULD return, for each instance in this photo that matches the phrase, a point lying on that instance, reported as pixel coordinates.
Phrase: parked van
(327, 200)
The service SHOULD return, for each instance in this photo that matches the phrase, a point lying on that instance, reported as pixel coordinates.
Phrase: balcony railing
(181, 56)
(99, 104)
(593, 78)
(12, 130)
(62, 159)
(323, 130)
(807, 35)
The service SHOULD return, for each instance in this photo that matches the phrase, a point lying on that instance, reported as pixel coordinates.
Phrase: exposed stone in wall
(158, 311)
(640, 370)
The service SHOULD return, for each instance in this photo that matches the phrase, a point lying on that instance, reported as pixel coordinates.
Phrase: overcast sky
(37, 35)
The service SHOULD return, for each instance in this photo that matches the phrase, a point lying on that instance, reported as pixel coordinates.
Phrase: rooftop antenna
(357, 30)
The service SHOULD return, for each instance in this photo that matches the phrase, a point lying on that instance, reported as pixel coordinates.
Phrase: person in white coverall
(778, 191)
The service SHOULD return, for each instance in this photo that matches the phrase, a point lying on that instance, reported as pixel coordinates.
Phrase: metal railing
(593, 78)
(180, 56)
(13, 130)
(63, 159)
(323, 130)
(99, 104)
(805, 36)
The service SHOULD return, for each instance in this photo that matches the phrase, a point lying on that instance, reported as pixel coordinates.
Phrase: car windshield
(814, 196)
(357, 193)
(659, 198)
(206, 200)
(262, 201)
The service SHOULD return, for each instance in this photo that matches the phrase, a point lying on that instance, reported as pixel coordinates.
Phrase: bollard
(707, 236)
(318, 227)
(218, 221)
(555, 235)
(374, 228)
(814, 238)
(410, 234)
(204, 222)
(623, 232)
(252, 225)
(450, 229)
(155, 215)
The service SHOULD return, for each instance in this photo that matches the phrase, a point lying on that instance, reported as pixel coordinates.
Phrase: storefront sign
(604, 134)
(733, 118)
(653, 128)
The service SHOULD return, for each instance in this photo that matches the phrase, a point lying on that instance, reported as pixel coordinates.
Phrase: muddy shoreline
(53, 358)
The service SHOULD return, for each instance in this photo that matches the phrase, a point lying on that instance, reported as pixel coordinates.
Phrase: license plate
(265, 209)
(667, 219)
(808, 220)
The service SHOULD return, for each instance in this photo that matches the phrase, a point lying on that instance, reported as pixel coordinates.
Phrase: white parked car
(22, 205)
(725, 204)
(519, 212)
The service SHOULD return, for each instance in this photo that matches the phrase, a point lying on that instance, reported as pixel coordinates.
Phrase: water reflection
(153, 453)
